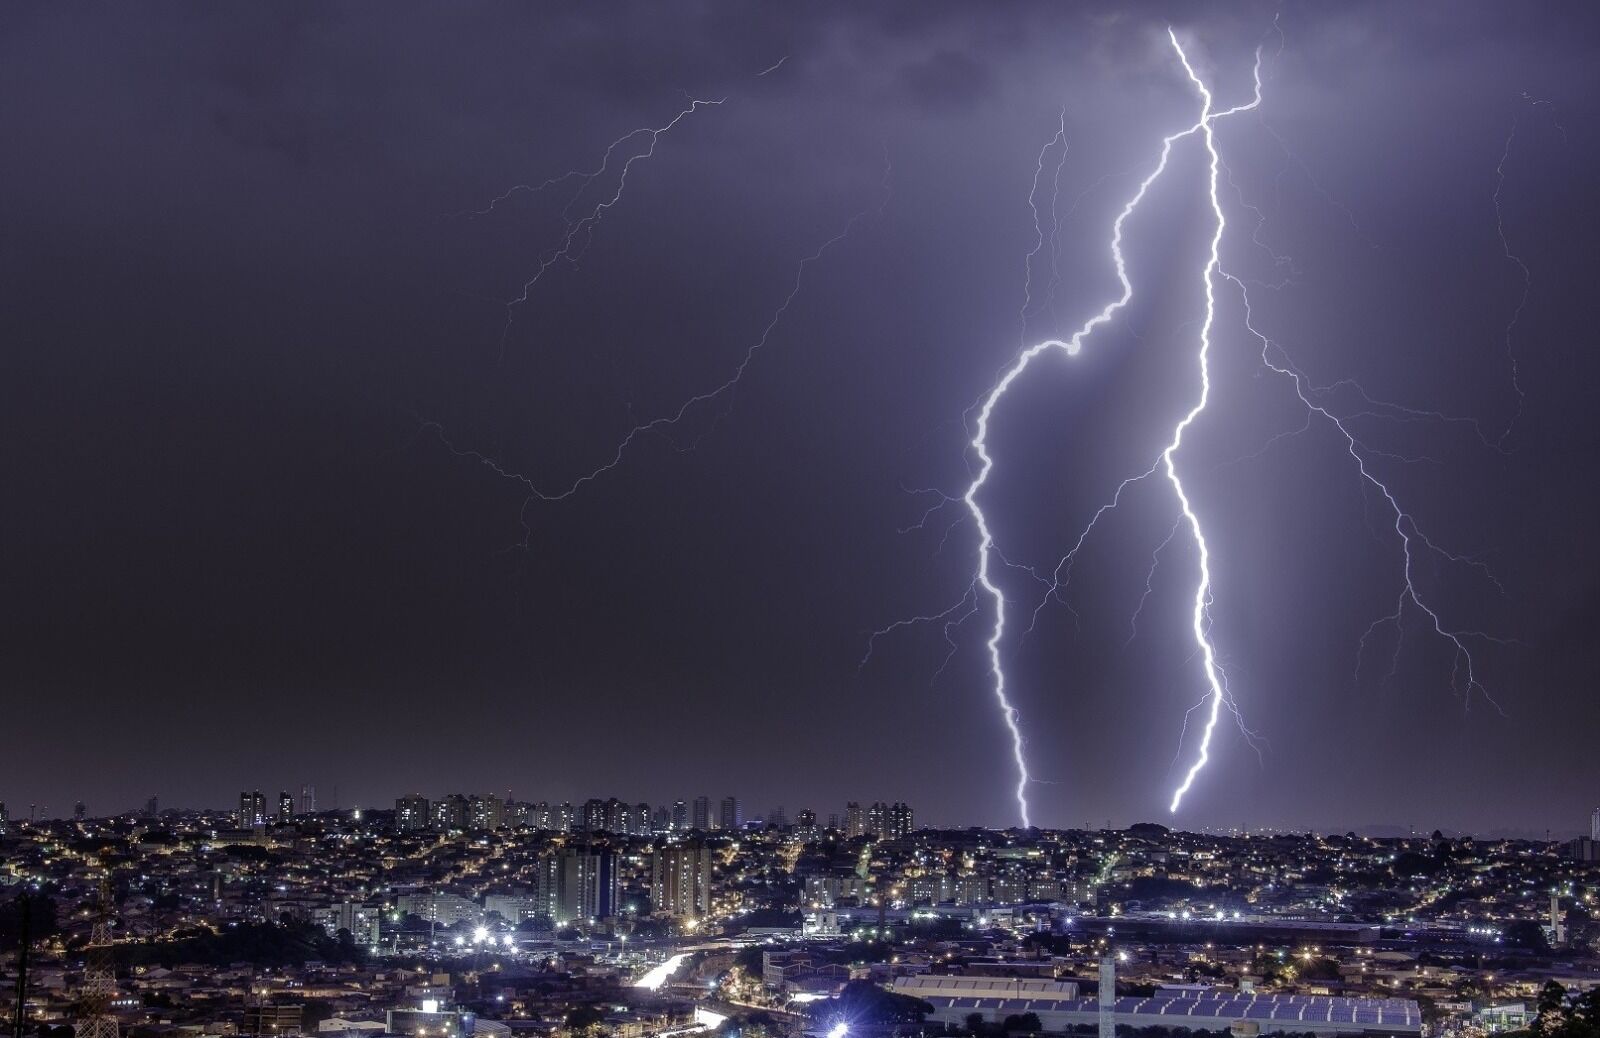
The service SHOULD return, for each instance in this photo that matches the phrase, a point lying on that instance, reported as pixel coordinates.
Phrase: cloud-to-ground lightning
(1340, 404)
(1200, 618)
(1071, 346)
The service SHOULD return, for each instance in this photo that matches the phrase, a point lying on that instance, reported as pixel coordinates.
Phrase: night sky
(248, 311)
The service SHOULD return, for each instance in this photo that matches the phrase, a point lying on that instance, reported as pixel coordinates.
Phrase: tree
(1526, 933)
(584, 1018)
(41, 913)
(1028, 1022)
(1552, 1007)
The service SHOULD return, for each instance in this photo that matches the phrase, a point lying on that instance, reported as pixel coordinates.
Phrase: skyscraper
(855, 824)
(252, 809)
(901, 822)
(285, 807)
(805, 825)
(411, 813)
(588, 884)
(680, 817)
(680, 880)
(729, 818)
(1594, 825)
(702, 813)
(485, 812)
(451, 812)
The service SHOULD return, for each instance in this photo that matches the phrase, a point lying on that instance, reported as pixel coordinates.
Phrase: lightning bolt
(1201, 616)
(979, 444)
(1412, 539)
(665, 422)
(580, 229)
(984, 579)
(1516, 260)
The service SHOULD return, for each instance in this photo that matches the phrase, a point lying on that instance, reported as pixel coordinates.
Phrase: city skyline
(567, 399)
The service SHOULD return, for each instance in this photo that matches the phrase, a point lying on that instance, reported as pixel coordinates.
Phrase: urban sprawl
(477, 915)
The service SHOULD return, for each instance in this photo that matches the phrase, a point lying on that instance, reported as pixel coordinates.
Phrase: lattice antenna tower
(99, 973)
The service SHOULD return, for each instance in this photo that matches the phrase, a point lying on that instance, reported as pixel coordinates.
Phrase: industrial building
(1056, 1004)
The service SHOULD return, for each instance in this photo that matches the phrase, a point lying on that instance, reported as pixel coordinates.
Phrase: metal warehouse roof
(1307, 1009)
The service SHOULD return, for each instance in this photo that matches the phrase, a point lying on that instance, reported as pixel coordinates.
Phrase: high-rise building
(411, 813)
(661, 820)
(308, 799)
(779, 817)
(587, 884)
(1594, 825)
(641, 819)
(855, 823)
(79, 811)
(728, 818)
(547, 886)
(285, 807)
(878, 820)
(805, 825)
(485, 812)
(901, 822)
(451, 812)
(5, 819)
(680, 880)
(566, 817)
(702, 814)
(618, 816)
(680, 817)
(252, 809)
(594, 816)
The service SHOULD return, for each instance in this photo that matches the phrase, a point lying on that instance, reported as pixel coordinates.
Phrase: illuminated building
(485, 812)
(451, 812)
(411, 813)
(252, 809)
(680, 880)
(587, 881)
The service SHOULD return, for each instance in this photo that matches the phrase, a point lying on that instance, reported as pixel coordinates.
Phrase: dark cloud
(948, 79)
(232, 278)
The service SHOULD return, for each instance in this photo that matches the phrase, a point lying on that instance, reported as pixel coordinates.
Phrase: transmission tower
(99, 974)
